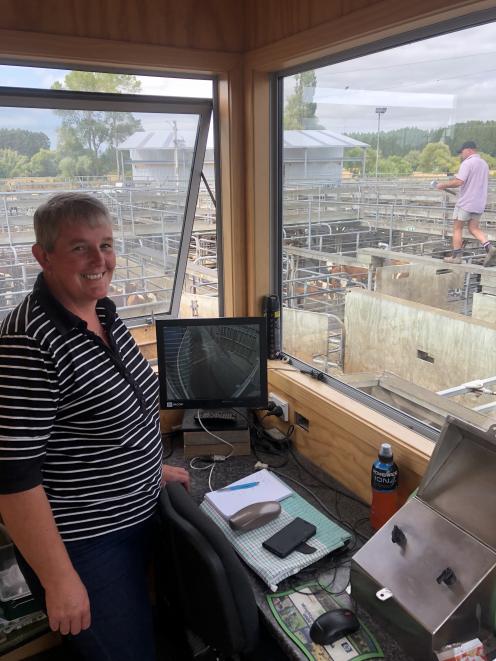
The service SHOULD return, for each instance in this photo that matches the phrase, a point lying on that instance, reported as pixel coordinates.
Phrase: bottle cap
(386, 453)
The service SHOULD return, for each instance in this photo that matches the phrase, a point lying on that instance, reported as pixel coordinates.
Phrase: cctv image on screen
(212, 362)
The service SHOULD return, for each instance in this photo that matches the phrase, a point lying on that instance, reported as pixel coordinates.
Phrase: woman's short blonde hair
(67, 208)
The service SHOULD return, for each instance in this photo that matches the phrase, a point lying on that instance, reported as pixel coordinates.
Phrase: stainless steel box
(430, 572)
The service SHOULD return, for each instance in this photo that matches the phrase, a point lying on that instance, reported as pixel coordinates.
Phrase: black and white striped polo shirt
(78, 417)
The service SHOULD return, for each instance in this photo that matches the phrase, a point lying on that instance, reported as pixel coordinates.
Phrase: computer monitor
(212, 363)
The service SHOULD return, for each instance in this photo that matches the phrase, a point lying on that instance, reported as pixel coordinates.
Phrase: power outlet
(279, 401)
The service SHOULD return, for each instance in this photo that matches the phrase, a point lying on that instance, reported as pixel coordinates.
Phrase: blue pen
(237, 487)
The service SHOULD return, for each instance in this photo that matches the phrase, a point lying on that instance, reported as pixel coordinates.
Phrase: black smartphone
(289, 537)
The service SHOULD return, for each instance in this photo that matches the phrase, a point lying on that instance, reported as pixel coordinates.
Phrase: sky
(46, 120)
(428, 84)
(13, 76)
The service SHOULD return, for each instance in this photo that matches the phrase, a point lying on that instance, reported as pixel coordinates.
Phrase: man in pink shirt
(472, 178)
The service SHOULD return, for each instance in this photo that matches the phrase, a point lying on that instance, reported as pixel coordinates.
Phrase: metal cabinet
(430, 571)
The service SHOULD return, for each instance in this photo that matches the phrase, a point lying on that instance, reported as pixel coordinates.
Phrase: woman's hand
(68, 605)
(175, 474)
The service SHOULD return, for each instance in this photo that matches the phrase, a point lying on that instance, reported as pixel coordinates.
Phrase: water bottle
(384, 480)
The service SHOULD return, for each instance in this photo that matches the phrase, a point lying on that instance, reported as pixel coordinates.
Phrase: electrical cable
(359, 522)
(222, 440)
(336, 491)
(324, 484)
(326, 587)
(243, 416)
(353, 544)
(210, 466)
(270, 466)
(283, 369)
(267, 445)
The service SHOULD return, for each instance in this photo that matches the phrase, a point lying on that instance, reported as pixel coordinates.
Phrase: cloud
(176, 87)
(460, 65)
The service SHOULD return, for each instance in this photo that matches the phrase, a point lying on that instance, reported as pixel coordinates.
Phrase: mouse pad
(295, 610)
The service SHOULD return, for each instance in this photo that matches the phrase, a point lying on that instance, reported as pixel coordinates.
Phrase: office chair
(205, 579)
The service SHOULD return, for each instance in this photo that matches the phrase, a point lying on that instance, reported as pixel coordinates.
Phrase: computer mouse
(333, 625)
(255, 515)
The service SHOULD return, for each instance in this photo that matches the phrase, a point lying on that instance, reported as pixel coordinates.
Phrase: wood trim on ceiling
(378, 21)
(44, 49)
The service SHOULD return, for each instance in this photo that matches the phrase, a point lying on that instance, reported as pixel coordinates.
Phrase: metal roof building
(317, 154)
(166, 155)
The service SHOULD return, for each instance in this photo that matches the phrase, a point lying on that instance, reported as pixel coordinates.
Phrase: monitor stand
(191, 424)
(198, 442)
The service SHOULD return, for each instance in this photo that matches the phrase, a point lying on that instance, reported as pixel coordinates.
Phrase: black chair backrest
(211, 585)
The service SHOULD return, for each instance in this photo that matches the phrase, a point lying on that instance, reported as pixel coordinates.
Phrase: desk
(237, 467)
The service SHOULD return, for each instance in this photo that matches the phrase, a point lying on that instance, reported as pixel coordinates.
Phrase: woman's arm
(29, 521)
(29, 398)
(175, 474)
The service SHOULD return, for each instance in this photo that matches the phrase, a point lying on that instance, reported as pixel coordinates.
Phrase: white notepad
(270, 487)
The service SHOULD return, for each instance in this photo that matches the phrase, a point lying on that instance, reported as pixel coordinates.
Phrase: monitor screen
(212, 363)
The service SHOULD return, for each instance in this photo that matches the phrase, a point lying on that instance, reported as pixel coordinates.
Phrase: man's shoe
(455, 259)
(490, 259)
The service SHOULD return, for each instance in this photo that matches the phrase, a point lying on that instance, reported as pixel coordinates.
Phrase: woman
(80, 448)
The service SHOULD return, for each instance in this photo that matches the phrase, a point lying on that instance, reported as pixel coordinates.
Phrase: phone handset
(272, 312)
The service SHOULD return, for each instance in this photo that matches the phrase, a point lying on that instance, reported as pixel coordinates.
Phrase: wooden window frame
(343, 434)
(243, 108)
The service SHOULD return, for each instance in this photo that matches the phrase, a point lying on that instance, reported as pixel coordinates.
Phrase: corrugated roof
(162, 140)
(319, 138)
(186, 138)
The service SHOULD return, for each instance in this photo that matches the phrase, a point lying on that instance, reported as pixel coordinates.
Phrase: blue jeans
(113, 570)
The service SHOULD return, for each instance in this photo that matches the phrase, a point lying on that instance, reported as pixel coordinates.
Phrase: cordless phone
(272, 312)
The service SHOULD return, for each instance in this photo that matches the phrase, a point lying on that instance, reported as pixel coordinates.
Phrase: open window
(142, 155)
(368, 305)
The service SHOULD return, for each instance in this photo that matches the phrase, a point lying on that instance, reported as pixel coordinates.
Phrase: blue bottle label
(384, 476)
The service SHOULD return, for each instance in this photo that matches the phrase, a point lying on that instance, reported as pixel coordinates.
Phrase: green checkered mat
(268, 566)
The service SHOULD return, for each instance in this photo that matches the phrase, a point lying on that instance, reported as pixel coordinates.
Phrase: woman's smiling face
(79, 269)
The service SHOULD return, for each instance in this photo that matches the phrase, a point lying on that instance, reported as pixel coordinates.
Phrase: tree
(92, 132)
(483, 133)
(26, 143)
(397, 142)
(394, 165)
(413, 158)
(87, 128)
(93, 81)
(370, 155)
(12, 164)
(43, 164)
(300, 110)
(435, 157)
(490, 160)
(73, 166)
(355, 165)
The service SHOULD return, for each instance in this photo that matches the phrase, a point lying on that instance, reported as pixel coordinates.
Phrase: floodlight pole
(380, 111)
(176, 155)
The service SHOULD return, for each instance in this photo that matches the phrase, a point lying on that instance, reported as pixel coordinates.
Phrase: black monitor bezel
(260, 401)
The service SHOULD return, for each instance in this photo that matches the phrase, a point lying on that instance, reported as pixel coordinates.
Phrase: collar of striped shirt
(62, 318)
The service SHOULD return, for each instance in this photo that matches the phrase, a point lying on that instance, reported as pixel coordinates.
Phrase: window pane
(84, 81)
(365, 230)
(138, 159)
(200, 292)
